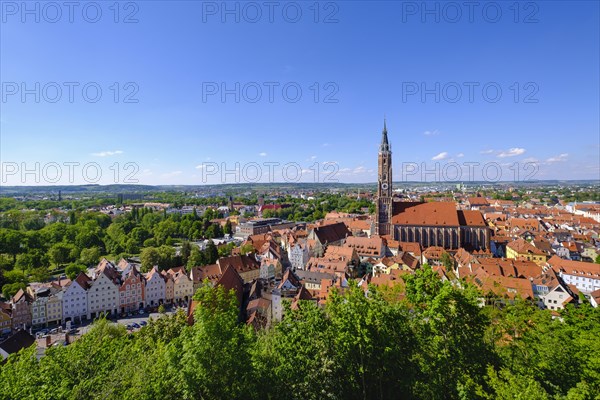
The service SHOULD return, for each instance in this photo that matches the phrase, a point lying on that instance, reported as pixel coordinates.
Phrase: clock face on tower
(384, 186)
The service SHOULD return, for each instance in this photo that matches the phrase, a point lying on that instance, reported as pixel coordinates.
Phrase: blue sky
(353, 61)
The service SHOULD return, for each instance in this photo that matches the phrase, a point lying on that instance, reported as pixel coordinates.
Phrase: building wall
(74, 302)
(54, 311)
(38, 311)
(298, 256)
(169, 290)
(131, 294)
(103, 296)
(155, 290)
(184, 287)
(21, 314)
(584, 283)
(5, 322)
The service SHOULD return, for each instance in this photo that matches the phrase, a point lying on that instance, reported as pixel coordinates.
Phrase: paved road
(129, 320)
(137, 318)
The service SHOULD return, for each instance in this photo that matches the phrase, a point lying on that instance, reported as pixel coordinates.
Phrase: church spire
(385, 145)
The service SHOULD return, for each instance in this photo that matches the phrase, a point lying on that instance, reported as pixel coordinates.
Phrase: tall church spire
(385, 145)
(383, 213)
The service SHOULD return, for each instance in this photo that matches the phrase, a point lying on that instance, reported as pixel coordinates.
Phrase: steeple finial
(385, 145)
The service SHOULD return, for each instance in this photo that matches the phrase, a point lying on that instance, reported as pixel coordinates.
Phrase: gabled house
(245, 265)
(75, 299)
(551, 291)
(169, 287)
(183, 287)
(21, 310)
(298, 254)
(583, 275)
(521, 249)
(372, 247)
(132, 291)
(103, 294)
(156, 289)
(330, 234)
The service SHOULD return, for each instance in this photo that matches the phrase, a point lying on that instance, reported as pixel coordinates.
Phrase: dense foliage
(437, 343)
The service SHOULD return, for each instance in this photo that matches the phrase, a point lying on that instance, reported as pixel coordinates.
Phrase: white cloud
(171, 174)
(263, 154)
(325, 144)
(515, 151)
(434, 132)
(313, 157)
(459, 155)
(441, 156)
(558, 158)
(107, 153)
(486, 151)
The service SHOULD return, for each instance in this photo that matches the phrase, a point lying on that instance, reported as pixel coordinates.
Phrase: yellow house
(521, 249)
(5, 319)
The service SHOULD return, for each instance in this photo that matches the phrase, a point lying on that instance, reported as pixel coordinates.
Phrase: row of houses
(108, 289)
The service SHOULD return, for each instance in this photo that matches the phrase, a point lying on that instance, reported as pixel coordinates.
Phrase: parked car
(136, 325)
(53, 331)
(141, 312)
(143, 323)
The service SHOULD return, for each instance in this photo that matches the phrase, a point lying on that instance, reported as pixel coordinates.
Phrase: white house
(155, 288)
(298, 255)
(267, 269)
(103, 295)
(550, 292)
(74, 299)
(584, 275)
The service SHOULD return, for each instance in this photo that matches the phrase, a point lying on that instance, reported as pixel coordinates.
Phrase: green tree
(10, 242)
(90, 256)
(73, 269)
(60, 253)
(211, 253)
(228, 228)
(10, 289)
(216, 357)
(186, 249)
(149, 258)
(196, 258)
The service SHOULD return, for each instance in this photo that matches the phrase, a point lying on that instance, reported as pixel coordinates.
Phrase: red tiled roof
(426, 214)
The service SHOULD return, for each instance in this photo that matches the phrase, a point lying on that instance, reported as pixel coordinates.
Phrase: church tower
(383, 213)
